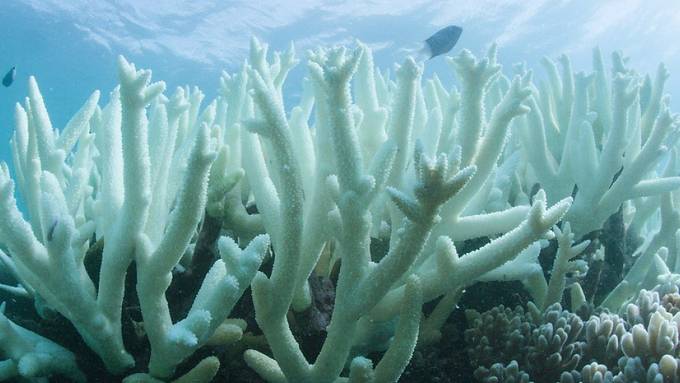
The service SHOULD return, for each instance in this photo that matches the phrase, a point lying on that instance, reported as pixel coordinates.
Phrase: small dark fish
(442, 41)
(9, 77)
(50, 231)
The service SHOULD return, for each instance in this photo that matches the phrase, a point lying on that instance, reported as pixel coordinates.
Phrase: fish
(442, 41)
(9, 77)
(50, 231)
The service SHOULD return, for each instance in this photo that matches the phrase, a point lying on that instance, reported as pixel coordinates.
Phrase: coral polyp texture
(330, 240)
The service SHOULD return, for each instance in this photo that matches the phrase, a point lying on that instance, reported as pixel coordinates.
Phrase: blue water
(70, 46)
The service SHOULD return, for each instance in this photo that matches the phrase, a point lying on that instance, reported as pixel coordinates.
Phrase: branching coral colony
(153, 181)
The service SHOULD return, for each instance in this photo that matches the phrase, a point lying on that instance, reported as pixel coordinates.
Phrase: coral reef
(163, 230)
(641, 345)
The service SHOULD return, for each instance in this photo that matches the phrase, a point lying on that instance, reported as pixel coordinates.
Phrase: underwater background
(71, 47)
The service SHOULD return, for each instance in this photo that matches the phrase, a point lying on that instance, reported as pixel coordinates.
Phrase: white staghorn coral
(31, 356)
(105, 189)
(368, 291)
(160, 181)
(585, 131)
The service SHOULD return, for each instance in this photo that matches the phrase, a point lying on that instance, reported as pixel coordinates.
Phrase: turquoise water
(70, 46)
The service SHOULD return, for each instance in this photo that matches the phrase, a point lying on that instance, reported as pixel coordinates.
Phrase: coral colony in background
(368, 209)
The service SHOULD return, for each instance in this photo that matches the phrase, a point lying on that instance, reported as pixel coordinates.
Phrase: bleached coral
(597, 134)
(362, 158)
(105, 189)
